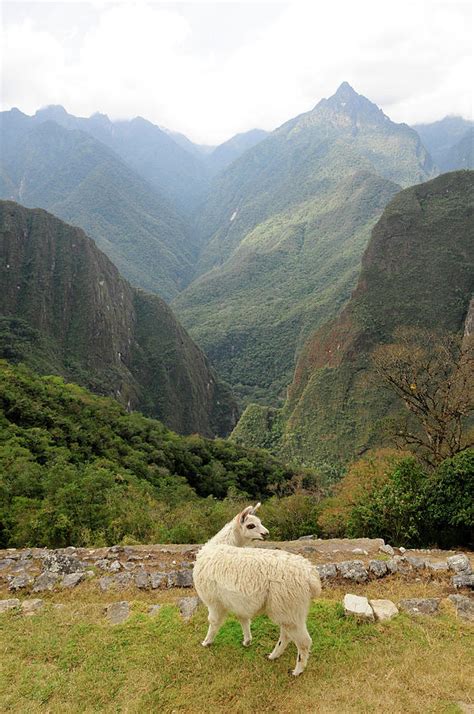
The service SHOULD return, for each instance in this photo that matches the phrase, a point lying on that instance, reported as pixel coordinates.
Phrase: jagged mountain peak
(348, 103)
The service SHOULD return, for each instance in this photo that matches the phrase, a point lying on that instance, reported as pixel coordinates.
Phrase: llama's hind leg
(281, 645)
(216, 618)
(245, 624)
(303, 641)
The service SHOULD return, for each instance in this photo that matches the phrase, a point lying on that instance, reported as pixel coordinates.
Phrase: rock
(119, 581)
(5, 562)
(188, 606)
(327, 571)
(117, 612)
(460, 564)
(115, 566)
(307, 537)
(392, 566)
(45, 581)
(309, 549)
(415, 562)
(403, 564)
(358, 607)
(89, 574)
(115, 550)
(360, 551)
(20, 581)
(402, 550)
(378, 568)
(58, 563)
(385, 548)
(142, 581)
(353, 570)
(103, 564)
(435, 565)
(31, 607)
(420, 606)
(10, 604)
(383, 609)
(180, 579)
(464, 606)
(158, 580)
(72, 579)
(463, 580)
(154, 610)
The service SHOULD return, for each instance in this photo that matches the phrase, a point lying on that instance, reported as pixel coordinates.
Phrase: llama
(230, 576)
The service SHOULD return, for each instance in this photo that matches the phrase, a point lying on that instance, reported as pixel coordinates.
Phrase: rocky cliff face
(88, 324)
(417, 271)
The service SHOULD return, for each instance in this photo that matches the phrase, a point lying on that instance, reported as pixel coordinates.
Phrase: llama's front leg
(245, 624)
(280, 646)
(216, 618)
(303, 642)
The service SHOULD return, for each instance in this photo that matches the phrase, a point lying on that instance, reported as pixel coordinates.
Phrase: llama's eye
(251, 525)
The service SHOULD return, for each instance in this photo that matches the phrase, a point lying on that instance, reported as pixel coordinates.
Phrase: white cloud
(414, 58)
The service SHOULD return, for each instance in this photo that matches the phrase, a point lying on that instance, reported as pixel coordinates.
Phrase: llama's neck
(229, 535)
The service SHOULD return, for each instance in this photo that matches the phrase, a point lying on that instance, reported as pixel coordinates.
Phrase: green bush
(418, 509)
(450, 502)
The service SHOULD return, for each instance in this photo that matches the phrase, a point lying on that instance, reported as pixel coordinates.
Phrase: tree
(433, 374)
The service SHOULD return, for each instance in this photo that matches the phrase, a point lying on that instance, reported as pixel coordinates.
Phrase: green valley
(283, 232)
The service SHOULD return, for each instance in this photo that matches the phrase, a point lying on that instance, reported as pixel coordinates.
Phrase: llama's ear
(246, 512)
(255, 508)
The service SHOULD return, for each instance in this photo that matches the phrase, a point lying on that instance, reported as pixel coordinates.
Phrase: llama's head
(250, 526)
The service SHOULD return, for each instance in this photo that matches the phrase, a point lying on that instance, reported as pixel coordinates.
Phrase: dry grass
(71, 660)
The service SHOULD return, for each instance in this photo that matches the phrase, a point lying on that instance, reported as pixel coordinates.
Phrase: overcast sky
(211, 70)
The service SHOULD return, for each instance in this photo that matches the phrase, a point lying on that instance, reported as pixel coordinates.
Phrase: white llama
(229, 577)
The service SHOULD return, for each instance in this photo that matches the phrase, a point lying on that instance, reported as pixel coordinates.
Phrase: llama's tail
(315, 583)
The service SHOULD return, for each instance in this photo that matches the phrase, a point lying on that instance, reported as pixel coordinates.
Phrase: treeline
(77, 469)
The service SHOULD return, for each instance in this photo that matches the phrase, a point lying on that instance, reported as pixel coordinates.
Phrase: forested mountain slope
(283, 232)
(418, 272)
(66, 310)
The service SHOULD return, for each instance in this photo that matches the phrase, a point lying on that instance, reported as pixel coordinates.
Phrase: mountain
(461, 155)
(224, 154)
(81, 180)
(66, 309)
(283, 231)
(175, 173)
(417, 271)
(442, 138)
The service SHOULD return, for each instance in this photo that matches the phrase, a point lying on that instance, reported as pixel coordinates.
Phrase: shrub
(450, 502)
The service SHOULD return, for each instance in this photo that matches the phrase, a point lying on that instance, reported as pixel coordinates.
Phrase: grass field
(71, 660)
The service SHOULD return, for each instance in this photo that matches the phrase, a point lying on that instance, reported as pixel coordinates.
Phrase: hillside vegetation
(65, 309)
(417, 272)
(77, 469)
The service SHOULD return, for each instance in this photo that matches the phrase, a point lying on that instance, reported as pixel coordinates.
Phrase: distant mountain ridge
(450, 142)
(176, 174)
(65, 309)
(71, 174)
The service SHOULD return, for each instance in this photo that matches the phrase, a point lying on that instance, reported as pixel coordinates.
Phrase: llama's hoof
(206, 644)
(296, 672)
(247, 643)
(271, 656)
